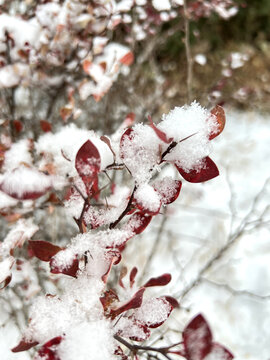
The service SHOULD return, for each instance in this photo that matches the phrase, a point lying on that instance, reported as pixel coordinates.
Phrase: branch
(135, 348)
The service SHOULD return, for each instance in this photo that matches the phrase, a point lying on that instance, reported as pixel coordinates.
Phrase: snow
(200, 59)
(147, 198)
(193, 122)
(24, 180)
(23, 230)
(141, 153)
(153, 311)
(161, 5)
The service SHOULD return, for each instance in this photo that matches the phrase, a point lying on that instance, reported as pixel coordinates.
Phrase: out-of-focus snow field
(198, 225)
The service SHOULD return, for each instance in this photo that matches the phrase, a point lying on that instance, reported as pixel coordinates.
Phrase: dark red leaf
(88, 160)
(207, 172)
(132, 276)
(114, 260)
(108, 298)
(70, 270)
(163, 137)
(24, 346)
(172, 301)
(120, 352)
(197, 339)
(219, 113)
(46, 352)
(220, 352)
(5, 282)
(159, 281)
(45, 126)
(169, 195)
(128, 135)
(138, 222)
(135, 302)
(43, 250)
(18, 125)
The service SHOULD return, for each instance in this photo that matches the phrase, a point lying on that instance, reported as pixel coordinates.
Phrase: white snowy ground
(198, 225)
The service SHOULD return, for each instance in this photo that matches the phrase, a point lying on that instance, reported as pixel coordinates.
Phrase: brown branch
(135, 348)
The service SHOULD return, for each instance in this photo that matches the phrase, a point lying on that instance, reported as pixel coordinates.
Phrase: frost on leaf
(87, 164)
(25, 183)
(140, 152)
(138, 222)
(70, 270)
(219, 352)
(197, 339)
(219, 115)
(207, 171)
(147, 199)
(153, 312)
(168, 189)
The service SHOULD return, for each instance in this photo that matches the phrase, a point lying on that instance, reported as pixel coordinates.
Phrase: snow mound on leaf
(23, 181)
(193, 125)
(52, 316)
(147, 198)
(153, 311)
(17, 154)
(140, 152)
(93, 341)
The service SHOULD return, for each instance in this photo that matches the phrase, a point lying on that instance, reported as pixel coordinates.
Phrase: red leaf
(157, 324)
(174, 303)
(24, 345)
(219, 113)
(87, 160)
(18, 125)
(132, 276)
(134, 303)
(207, 172)
(197, 339)
(70, 270)
(159, 281)
(45, 126)
(127, 59)
(159, 132)
(128, 135)
(220, 352)
(115, 259)
(5, 282)
(108, 298)
(168, 195)
(43, 250)
(46, 352)
(138, 222)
